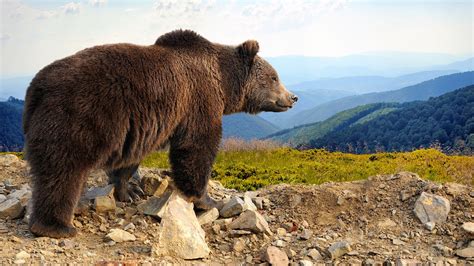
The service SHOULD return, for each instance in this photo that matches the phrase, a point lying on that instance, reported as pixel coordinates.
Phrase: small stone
(430, 225)
(66, 243)
(129, 226)
(466, 252)
(305, 234)
(156, 206)
(8, 159)
(119, 235)
(161, 188)
(404, 195)
(281, 231)
(398, 242)
(275, 256)
(471, 194)
(11, 208)
(432, 208)
(258, 201)
(22, 255)
(280, 243)
(239, 233)
(290, 253)
(99, 192)
(104, 204)
(239, 245)
(304, 224)
(19, 262)
(208, 216)
(305, 263)
(23, 195)
(248, 259)
(445, 251)
(47, 253)
(314, 254)
(150, 183)
(2, 198)
(181, 234)
(249, 203)
(251, 220)
(223, 223)
(233, 207)
(468, 227)
(338, 249)
(386, 224)
(216, 229)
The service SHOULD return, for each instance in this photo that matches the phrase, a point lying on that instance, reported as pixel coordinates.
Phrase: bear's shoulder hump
(181, 38)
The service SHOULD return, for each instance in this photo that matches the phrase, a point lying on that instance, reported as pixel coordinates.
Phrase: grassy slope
(248, 170)
(254, 169)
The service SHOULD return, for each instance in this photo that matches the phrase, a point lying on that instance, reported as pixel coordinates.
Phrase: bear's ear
(249, 48)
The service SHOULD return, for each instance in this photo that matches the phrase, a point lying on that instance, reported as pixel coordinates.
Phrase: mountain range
(421, 91)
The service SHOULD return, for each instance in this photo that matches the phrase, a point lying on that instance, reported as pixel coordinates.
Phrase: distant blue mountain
(421, 91)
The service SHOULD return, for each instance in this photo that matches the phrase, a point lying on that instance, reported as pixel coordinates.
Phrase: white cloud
(97, 3)
(184, 9)
(71, 8)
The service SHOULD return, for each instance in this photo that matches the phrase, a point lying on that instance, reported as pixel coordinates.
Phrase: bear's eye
(274, 78)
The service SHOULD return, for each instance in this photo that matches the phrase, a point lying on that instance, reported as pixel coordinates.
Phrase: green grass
(249, 170)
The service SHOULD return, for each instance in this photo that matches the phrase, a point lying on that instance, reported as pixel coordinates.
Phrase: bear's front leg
(192, 155)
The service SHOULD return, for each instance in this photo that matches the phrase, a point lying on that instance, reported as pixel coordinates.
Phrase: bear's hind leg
(54, 198)
(124, 189)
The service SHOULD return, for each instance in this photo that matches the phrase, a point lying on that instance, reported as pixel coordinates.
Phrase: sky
(33, 33)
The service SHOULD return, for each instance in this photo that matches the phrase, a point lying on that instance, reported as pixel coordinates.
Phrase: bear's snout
(293, 98)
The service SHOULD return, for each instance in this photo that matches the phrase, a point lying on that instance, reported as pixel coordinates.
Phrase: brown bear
(109, 106)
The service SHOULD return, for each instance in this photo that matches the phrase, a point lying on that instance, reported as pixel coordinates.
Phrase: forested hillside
(446, 121)
(301, 135)
(11, 132)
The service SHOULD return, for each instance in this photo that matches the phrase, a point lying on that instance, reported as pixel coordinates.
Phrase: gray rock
(305, 234)
(398, 242)
(156, 206)
(95, 192)
(104, 204)
(22, 254)
(11, 208)
(339, 248)
(432, 208)
(233, 207)
(181, 234)
(150, 183)
(8, 159)
(468, 227)
(208, 216)
(119, 235)
(275, 256)
(445, 251)
(251, 220)
(23, 195)
(238, 233)
(314, 254)
(239, 245)
(466, 252)
(305, 263)
(2, 198)
(430, 225)
(249, 203)
(258, 201)
(161, 188)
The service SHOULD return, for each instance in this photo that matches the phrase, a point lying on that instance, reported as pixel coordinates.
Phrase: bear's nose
(294, 98)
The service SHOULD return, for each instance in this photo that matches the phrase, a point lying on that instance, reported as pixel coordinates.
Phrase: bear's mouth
(284, 106)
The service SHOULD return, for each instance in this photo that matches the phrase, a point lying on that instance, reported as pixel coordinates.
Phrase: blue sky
(35, 33)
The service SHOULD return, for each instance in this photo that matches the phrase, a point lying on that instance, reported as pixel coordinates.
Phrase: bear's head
(263, 89)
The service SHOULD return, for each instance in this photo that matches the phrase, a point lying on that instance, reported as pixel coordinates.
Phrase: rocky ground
(395, 219)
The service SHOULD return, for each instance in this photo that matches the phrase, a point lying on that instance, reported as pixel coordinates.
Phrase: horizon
(299, 28)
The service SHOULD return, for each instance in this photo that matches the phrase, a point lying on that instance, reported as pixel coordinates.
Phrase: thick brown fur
(109, 106)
